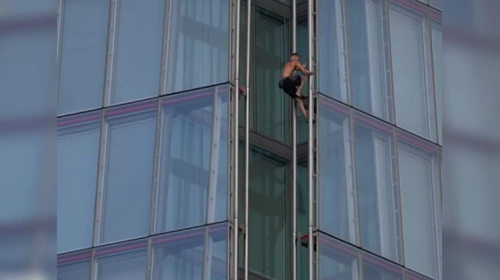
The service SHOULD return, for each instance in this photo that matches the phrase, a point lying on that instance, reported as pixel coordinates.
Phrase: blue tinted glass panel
(198, 44)
(83, 55)
(375, 268)
(269, 245)
(412, 68)
(410, 275)
(194, 159)
(126, 261)
(332, 61)
(419, 181)
(74, 266)
(337, 260)
(138, 50)
(438, 4)
(128, 182)
(379, 209)
(28, 56)
(337, 195)
(77, 164)
(16, 9)
(188, 254)
(369, 66)
(270, 105)
(302, 219)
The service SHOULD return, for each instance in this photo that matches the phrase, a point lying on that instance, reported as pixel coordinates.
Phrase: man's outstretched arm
(303, 69)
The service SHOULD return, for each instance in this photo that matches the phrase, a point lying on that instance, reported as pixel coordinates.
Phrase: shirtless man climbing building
(292, 84)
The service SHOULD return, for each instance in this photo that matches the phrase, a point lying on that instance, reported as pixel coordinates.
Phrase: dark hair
(297, 54)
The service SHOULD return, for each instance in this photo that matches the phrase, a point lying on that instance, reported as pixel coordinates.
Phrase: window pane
(302, 219)
(83, 55)
(369, 57)
(28, 56)
(268, 228)
(375, 268)
(337, 199)
(138, 50)
(187, 255)
(332, 49)
(194, 159)
(437, 4)
(127, 261)
(437, 52)
(337, 260)
(413, 88)
(377, 185)
(198, 46)
(270, 104)
(418, 175)
(74, 266)
(131, 133)
(77, 160)
(410, 275)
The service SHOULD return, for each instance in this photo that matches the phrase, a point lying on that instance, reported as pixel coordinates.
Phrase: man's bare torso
(288, 70)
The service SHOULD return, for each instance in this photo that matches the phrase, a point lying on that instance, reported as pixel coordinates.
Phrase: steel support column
(247, 136)
(294, 153)
(310, 38)
(236, 140)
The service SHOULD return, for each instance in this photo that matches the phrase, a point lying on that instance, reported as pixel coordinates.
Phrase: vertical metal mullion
(435, 198)
(236, 142)
(310, 138)
(316, 179)
(165, 47)
(230, 168)
(360, 262)
(438, 215)
(433, 75)
(149, 275)
(354, 175)
(156, 167)
(390, 66)
(93, 265)
(247, 138)
(212, 184)
(60, 22)
(398, 186)
(347, 56)
(110, 56)
(101, 174)
(294, 153)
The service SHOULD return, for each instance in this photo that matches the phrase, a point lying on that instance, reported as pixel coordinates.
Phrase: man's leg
(299, 89)
(302, 107)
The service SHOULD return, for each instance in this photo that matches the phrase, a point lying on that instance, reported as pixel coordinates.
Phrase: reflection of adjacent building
(146, 142)
(27, 204)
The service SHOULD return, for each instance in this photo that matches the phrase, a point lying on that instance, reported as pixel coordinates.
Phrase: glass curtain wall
(143, 139)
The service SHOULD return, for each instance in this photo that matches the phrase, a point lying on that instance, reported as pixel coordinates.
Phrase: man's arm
(303, 69)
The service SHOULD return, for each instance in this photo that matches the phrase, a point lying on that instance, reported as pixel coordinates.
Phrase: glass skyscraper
(151, 168)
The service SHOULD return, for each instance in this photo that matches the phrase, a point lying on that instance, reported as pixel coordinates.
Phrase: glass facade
(151, 147)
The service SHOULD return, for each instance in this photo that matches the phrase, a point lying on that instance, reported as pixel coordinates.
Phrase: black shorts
(289, 85)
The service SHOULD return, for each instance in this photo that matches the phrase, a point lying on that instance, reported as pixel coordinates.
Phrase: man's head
(294, 57)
